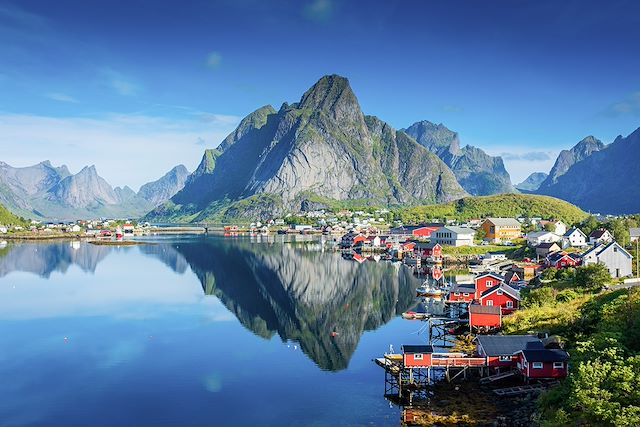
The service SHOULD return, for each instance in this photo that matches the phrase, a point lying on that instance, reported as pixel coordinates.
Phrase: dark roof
(596, 234)
(484, 309)
(504, 288)
(429, 245)
(409, 349)
(556, 256)
(547, 245)
(464, 287)
(573, 230)
(545, 355)
(504, 345)
(509, 276)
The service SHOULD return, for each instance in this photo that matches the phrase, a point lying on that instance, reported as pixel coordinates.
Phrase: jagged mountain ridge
(321, 147)
(606, 180)
(48, 192)
(567, 158)
(477, 172)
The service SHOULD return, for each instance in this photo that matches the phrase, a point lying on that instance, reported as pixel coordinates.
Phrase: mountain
(167, 186)
(320, 149)
(606, 180)
(568, 158)
(7, 218)
(532, 182)
(477, 172)
(47, 192)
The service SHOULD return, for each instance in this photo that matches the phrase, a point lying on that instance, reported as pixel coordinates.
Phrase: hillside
(7, 218)
(503, 205)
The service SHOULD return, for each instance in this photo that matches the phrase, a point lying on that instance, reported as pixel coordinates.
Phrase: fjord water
(197, 331)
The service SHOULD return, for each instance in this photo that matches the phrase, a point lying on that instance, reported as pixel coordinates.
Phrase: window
(457, 294)
(558, 365)
(505, 358)
(490, 303)
(509, 304)
(615, 249)
(536, 365)
(417, 357)
(499, 292)
(466, 294)
(489, 283)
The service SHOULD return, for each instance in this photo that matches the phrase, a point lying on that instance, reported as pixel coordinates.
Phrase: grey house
(617, 260)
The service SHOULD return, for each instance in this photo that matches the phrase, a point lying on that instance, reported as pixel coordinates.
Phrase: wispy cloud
(62, 97)
(318, 10)
(117, 81)
(214, 60)
(146, 146)
(533, 156)
(630, 105)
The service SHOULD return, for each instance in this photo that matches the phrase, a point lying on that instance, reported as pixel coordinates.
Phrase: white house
(3, 229)
(600, 236)
(617, 260)
(574, 238)
(535, 238)
(75, 228)
(556, 226)
(634, 234)
(453, 236)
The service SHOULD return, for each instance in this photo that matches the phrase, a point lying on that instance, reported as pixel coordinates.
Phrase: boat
(418, 313)
(119, 234)
(427, 290)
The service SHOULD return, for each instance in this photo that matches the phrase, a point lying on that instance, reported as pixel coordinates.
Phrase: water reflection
(300, 291)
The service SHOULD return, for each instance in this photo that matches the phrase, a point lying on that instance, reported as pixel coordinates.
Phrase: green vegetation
(7, 218)
(601, 331)
(502, 205)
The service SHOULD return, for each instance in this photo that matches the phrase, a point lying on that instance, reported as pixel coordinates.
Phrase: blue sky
(136, 87)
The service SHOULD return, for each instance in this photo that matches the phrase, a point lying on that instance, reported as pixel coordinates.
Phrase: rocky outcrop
(532, 182)
(568, 158)
(167, 186)
(477, 172)
(605, 181)
(85, 189)
(321, 146)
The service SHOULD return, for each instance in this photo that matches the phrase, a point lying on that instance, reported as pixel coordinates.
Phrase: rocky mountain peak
(567, 158)
(333, 95)
(255, 120)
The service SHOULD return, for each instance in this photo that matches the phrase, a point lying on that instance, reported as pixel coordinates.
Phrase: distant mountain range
(533, 181)
(598, 178)
(323, 150)
(47, 192)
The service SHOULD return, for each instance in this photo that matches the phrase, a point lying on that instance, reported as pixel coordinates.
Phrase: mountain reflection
(45, 258)
(299, 291)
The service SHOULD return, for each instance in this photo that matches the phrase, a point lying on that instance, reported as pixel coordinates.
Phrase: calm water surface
(197, 331)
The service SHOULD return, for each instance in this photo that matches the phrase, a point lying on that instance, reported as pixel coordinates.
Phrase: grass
(479, 250)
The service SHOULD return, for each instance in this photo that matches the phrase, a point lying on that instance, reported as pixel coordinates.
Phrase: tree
(592, 276)
(550, 227)
(590, 224)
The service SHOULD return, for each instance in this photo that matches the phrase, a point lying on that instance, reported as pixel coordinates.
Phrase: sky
(137, 87)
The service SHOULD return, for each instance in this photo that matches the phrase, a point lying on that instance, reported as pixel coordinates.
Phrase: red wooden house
(417, 356)
(503, 296)
(484, 317)
(462, 292)
(486, 281)
(511, 277)
(537, 362)
(562, 260)
(426, 250)
(499, 350)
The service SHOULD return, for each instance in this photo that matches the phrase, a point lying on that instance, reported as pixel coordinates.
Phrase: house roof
(464, 287)
(545, 355)
(410, 228)
(411, 349)
(595, 249)
(484, 309)
(489, 273)
(547, 245)
(504, 222)
(556, 256)
(509, 276)
(597, 234)
(614, 243)
(429, 245)
(634, 232)
(505, 345)
(459, 230)
(573, 230)
(536, 234)
(504, 288)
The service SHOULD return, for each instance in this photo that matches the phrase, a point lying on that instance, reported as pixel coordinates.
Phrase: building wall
(547, 371)
(500, 300)
(485, 320)
(618, 263)
(411, 360)
(482, 284)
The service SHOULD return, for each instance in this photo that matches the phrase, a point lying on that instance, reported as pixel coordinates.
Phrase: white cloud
(117, 81)
(628, 106)
(126, 149)
(62, 97)
(521, 162)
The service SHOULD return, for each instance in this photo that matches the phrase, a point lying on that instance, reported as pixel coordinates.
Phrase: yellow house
(501, 229)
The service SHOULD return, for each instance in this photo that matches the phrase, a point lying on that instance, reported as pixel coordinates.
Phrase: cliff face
(567, 158)
(477, 172)
(322, 146)
(532, 182)
(167, 186)
(604, 180)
